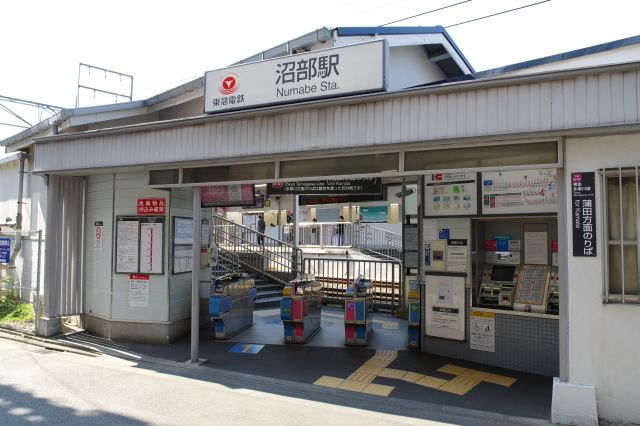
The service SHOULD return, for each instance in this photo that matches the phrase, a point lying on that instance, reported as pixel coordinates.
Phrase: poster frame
(174, 245)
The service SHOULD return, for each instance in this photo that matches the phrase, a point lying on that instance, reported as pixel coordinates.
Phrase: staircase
(378, 243)
(271, 262)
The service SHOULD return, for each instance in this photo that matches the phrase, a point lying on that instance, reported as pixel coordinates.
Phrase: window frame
(606, 175)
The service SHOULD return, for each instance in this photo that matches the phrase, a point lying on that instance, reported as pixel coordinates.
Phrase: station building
(520, 225)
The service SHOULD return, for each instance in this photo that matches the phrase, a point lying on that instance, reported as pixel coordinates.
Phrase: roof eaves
(176, 91)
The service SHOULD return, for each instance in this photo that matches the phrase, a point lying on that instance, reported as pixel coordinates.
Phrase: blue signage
(444, 234)
(5, 249)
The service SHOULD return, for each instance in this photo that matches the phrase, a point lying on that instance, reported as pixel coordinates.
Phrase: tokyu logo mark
(228, 84)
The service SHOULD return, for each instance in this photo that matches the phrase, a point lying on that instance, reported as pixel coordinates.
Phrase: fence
(337, 274)
(20, 276)
(378, 241)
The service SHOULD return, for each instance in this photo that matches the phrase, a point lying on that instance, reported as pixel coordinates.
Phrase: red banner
(151, 206)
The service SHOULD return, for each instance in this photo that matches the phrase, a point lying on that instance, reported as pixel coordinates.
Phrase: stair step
(268, 302)
(269, 293)
(263, 289)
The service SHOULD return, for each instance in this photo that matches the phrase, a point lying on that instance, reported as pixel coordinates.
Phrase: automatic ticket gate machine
(231, 301)
(300, 309)
(499, 280)
(358, 307)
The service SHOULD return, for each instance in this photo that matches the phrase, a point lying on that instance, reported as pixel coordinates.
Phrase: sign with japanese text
(325, 73)
(227, 195)
(5, 250)
(151, 206)
(482, 331)
(328, 186)
(139, 290)
(583, 209)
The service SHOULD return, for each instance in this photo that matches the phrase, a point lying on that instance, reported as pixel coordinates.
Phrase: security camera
(406, 192)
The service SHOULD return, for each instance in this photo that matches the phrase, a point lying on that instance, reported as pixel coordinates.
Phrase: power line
(424, 13)
(496, 14)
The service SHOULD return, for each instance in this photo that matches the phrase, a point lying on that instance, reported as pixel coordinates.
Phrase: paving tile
(353, 385)
(476, 374)
(497, 379)
(376, 389)
(328, 381)
(369, 370)
(412, 377)
(460, 385)
(452, 369)
(362, 377)
(431, 382)
(392, 373)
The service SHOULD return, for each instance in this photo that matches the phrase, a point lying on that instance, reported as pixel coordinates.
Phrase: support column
(195, 280)
(296, 224)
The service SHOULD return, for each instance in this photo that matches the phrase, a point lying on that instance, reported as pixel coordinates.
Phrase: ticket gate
(231, 301)
(358, 307)
(300, 309)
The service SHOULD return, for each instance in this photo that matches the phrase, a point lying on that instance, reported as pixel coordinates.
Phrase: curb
(52, 344)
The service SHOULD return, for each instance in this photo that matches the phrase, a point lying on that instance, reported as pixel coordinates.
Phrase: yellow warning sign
(480, 314)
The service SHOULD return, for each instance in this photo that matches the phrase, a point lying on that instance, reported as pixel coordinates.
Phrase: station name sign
(583, 207)
(371, 186)
(325, 73)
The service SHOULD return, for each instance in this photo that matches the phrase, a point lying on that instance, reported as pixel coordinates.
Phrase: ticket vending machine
(300, 309)
(531, 292)
(231, 301)
(358, 307)
(498, 284)
(553, 292)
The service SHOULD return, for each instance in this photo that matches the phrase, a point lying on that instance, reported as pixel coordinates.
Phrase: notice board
(445, 305)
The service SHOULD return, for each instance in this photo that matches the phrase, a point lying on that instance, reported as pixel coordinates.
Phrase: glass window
(235, 172)
(163, 177)
(482, 156)
(621, 192)
(334, 166)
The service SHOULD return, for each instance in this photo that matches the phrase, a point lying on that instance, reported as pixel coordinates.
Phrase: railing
(378, 241)
(226, 263)
(337, 274)
(256, 251)
(326, 234)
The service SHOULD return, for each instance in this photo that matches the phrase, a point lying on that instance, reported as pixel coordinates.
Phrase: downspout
(18, 243)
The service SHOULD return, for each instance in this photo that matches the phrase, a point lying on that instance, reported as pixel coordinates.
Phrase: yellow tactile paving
(376, 389)
(362, 377)
(392, 373)
(460, 385)
(476, 374)
(369, 370)
(412, 377)
(497, 379)
(353, 385)
(380, 363)
(328, 381)
(431, 382)
(452, 369)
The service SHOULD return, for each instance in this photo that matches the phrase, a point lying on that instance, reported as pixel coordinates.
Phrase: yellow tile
(369, 370)
(362, 377)
(412, 377)
(376, 389)
(452, 369)
(380, 363)
(328, 381)
(352, 385)
(476, 374)
(392, 373)
(460, 385)
(500, 380)
(431, 382)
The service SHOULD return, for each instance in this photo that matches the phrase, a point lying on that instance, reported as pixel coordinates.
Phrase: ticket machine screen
(503, 273)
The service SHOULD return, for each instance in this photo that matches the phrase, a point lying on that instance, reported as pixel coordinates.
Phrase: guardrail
(256, 251)
(378, 241)
(337, 274)
(321, 234)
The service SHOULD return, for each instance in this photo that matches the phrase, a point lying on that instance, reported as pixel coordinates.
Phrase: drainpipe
(18, 243)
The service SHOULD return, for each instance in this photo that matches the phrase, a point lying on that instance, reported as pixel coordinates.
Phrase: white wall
(8, 190)
(410, 66)
(604, 339)
(181, 204)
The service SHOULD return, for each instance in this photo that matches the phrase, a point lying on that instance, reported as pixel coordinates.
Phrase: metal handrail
(326, 234)
(379, 241)
(337, 274)
(264, 255)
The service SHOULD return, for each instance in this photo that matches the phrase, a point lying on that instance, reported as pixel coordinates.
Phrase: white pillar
(195, 279)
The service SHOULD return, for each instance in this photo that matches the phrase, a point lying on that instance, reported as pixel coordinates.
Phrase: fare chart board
(519, 191)
(451, 194)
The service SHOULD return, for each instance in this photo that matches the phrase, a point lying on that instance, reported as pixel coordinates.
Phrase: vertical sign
(482, 331)
(5, 250)
(583, 208)
(98, 235)
(139, 290)
(151, 238)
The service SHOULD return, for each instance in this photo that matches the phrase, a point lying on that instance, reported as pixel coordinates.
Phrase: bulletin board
(139, 245)
(182, 245)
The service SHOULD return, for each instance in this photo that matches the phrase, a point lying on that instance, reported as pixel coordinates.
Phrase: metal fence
(20, 277)
(337, 274)
(321, 234)
(256, 251)
(370, 239)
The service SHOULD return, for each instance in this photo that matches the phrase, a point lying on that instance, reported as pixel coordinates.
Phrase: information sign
(127, 242)
(139, 290)
(519, 191)
(151, 206)
(482, 331)
(151, 238)
(583, 208)
(371, 186)
(451, 194)
(227, 195)
(5, 250)
(445, 306)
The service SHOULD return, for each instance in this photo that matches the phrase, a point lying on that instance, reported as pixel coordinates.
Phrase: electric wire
(498, 13)
(424, 13)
